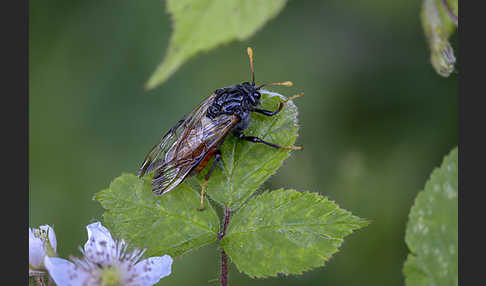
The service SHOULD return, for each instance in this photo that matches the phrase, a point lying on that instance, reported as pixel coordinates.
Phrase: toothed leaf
(203, 25)
(432, 230)
(287, 232)
(167, 224)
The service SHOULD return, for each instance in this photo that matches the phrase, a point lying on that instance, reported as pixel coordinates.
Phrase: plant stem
(224, 258)
(224, 268)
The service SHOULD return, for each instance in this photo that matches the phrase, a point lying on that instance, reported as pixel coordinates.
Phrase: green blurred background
(375, 121)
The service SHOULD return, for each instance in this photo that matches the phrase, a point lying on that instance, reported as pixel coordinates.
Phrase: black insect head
(239, 99)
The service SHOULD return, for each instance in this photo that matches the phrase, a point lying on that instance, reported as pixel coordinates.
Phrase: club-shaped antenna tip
(249, 51)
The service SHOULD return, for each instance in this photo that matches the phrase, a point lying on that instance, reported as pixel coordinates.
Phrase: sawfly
(188, 146)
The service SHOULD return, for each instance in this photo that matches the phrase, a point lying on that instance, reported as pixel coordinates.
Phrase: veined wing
(184, 146)
(156, 155)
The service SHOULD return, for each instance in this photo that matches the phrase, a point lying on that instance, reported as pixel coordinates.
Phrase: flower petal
(36, 250)
(100, 247)
(51, 236)
(65, 272)
(151, 270)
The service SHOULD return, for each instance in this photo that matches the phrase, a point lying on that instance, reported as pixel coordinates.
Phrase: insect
(188, 146)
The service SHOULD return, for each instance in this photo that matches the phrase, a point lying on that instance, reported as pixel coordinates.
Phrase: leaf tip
(153, 82)
(363, 222)
(161, 74)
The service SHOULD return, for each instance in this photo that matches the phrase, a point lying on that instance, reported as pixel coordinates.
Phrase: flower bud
(42, 242)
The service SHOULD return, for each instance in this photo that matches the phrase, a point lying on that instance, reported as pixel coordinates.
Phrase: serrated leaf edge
(362, 223)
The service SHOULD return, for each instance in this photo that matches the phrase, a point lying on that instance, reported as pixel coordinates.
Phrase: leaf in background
(246, 165)
(438, 23)
(432, 230)
(167, 224)
(286, 231)
(201, 25)
(453, 9)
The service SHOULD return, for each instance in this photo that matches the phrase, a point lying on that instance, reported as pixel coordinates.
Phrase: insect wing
(189, 151)
(184, 146)
(156, 156)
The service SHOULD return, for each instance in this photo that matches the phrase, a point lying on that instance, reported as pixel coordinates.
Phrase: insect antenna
(252, 68)
(285, 83)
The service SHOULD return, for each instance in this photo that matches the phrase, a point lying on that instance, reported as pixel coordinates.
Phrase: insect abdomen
(205, 160)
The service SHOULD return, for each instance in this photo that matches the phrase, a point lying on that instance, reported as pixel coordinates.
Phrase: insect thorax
(237, 99)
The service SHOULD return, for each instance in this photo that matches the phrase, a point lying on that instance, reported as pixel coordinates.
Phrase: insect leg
(258, 140)
(280, 106)
(217, 158)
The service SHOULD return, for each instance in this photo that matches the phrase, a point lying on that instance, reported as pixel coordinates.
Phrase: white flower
(108, 263)
(42, 242)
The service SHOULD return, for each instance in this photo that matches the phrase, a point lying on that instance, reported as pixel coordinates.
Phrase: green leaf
(201, 25)
(286, 231)
(168, 224)
(246, 165)
(432, 230)
(438, 22)
(453, 7)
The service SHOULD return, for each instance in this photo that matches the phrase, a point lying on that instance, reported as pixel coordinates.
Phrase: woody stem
(224, 258)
